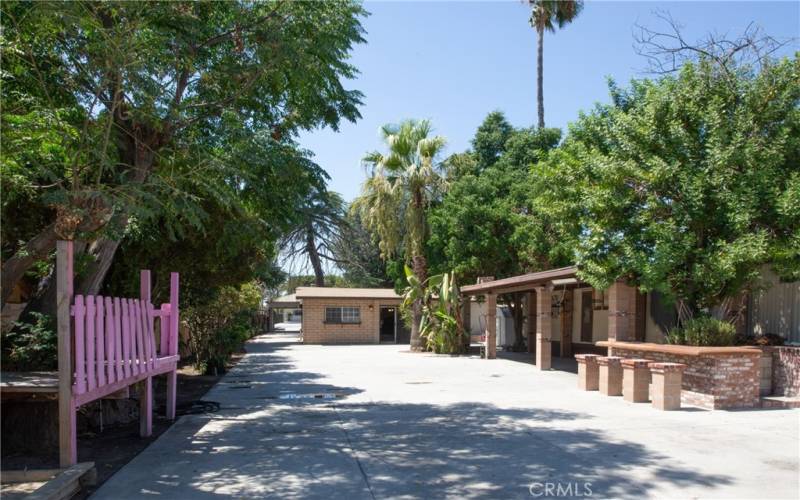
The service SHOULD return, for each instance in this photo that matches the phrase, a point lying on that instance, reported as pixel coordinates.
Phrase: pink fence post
(120, 360)
(127, 345)
(100, 341)
(91, 381)
(80, 339)
(111, 359)
(67, 434)
(139, 341)
(164, 325)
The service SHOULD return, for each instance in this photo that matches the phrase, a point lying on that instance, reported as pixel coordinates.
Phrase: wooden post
(146, 387)
(491, 326)
(67, 434)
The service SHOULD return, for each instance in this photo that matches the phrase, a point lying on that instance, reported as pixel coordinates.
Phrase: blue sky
(454, 62)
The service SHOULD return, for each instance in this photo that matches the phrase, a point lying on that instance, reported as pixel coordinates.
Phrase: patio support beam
(491, 326)
(544, 326)
(621, 312)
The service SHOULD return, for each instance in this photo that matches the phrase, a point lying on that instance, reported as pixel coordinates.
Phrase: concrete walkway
(392, 424)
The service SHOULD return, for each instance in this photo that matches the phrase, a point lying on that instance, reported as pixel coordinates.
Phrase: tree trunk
(420, 266)
(313, 256)
(540, 75)
(35, 249)
(102, 251)
(45, 301)
(141, 158)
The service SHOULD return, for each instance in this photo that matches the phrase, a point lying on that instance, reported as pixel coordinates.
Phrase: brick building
(351, 316)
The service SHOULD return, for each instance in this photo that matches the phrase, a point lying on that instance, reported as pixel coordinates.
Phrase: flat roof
(520, 282)
(284, 298)
(306, 292)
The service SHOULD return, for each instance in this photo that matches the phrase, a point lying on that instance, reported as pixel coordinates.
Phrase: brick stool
(587, 371)
(667, 385)
(635, 380)
(610, 372)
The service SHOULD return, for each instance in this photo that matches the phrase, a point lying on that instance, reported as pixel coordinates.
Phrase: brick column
(491, 326)
(621, 312)
(610, 374)
(635, 380)
(587, 371)
(544, 327)
(531, 312)
(667, 378)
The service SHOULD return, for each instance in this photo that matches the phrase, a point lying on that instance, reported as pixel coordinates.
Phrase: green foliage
(358, 255)
(703, 331)
(402, 183)
(31, 345)
(220, 327)
(486, 224)
(686, 184)
(490, 138)
(440, 325)
(119, 116)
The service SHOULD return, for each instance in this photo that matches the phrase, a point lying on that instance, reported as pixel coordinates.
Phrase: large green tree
(141, 91)
(687, 184)
(546, 15)
(486, 224)
(402, 183)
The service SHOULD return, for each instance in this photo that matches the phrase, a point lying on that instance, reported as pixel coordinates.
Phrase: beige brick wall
(316, 331)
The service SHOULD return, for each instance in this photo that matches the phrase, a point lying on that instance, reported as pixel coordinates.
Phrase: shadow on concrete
(264, 447)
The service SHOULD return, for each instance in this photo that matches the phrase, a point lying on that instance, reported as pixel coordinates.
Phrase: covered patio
(618, 313)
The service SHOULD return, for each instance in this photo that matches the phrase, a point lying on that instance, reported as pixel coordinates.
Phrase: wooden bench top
(27, 382)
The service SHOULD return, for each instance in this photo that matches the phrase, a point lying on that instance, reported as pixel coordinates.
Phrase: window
(342, 315)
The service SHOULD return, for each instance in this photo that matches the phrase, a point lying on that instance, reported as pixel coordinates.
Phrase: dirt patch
(114, 446)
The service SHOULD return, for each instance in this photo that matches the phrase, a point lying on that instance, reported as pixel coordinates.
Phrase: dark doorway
(388, 323)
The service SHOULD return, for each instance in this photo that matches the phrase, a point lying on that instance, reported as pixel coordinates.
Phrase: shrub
(703, 331)
(220, 328)
(31, 346)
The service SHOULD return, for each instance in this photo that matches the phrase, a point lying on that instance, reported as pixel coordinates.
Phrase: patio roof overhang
(524, 282)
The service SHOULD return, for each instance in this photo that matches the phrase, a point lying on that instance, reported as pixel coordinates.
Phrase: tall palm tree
(546, 15)
(402, 183)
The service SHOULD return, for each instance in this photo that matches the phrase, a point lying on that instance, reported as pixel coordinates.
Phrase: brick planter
(714, 378)
(587, 372)
(610, 372)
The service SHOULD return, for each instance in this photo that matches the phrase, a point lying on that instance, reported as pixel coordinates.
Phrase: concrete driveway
(376, 422)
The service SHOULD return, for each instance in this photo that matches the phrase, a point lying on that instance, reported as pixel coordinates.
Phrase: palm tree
(546, 15)
(401, 184)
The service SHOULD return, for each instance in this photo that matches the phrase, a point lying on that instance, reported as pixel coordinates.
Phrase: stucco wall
(316, 331)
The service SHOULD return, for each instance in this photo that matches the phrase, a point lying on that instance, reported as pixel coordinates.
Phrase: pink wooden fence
(115, 341)
(107, 344)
